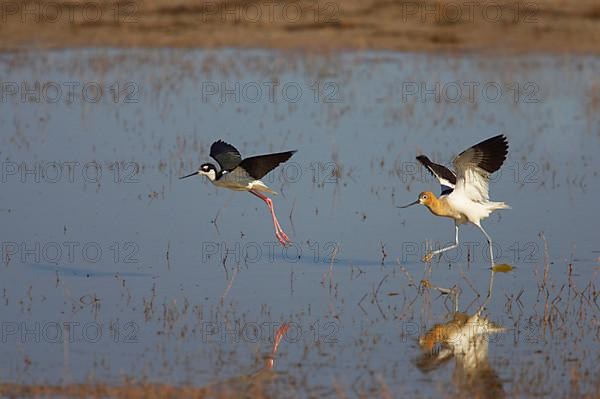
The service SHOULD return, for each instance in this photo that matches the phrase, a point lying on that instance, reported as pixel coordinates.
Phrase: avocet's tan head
(426, 198)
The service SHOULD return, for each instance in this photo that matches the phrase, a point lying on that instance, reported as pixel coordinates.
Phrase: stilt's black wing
(225, 154)
(445, 176)
(260, 165)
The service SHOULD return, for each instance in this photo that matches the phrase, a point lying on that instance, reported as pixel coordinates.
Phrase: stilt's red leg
(276, 222)
(279, 233)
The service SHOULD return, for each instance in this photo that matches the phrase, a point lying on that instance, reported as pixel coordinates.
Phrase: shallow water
(176, 282)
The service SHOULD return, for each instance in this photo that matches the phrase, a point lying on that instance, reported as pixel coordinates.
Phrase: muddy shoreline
(503, 26)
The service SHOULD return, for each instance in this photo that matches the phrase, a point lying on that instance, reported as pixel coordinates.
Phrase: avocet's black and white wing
(226, 155)
(445, 176)
(474, 166)
(259, 165)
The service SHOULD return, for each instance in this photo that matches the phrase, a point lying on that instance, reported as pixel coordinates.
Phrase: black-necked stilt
(465, 194)
(244, 175)
(258, 379)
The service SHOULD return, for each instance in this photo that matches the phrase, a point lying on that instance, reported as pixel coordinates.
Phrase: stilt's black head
(206, 169)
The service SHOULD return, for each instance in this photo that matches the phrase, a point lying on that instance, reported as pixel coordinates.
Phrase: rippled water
(167, 281)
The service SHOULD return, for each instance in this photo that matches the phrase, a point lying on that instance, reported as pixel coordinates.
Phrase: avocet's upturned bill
(240, 174)
(465, 193)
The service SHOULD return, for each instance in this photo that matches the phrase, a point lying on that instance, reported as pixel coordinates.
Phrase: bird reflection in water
(254, 385)
(465, 338)
(257, 382)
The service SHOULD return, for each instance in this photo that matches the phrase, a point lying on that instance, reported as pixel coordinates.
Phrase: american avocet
(244, 175)
(465, 194)
(466, 338)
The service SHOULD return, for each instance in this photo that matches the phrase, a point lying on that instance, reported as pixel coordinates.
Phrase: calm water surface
(160, 280)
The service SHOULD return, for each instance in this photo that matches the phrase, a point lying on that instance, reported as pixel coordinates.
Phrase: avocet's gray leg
(489, 240)
(430, 255)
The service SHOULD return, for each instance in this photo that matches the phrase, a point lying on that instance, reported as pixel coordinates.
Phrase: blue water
(97, 229)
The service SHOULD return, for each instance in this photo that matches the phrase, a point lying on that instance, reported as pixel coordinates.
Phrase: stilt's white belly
(241, 181)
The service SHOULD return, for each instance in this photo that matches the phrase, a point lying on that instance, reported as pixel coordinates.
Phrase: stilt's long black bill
(190, 175)
(411, 204)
